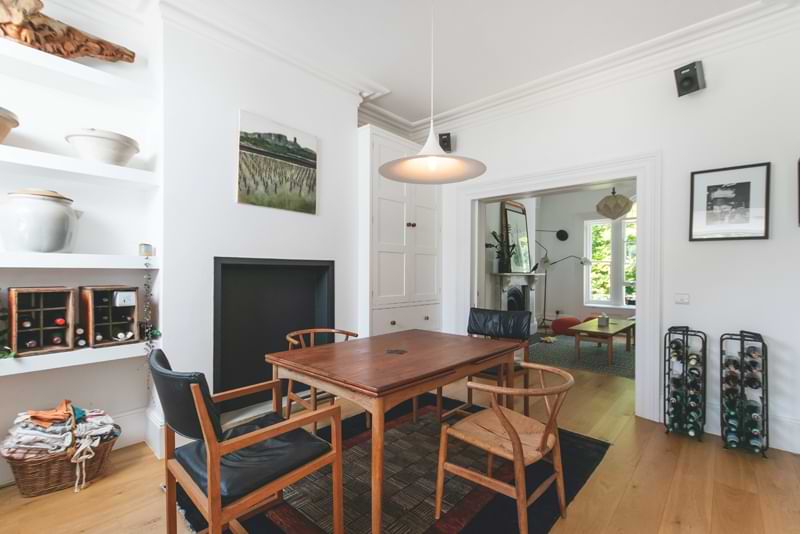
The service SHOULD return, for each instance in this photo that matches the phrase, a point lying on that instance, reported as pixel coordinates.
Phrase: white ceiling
(483, 46)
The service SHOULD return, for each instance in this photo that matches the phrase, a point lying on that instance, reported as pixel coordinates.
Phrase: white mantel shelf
(34, 66)
(60, 360)
(21, 162)
(34, 260)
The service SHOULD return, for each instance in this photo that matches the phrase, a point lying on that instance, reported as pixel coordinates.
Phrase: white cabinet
(399, 239)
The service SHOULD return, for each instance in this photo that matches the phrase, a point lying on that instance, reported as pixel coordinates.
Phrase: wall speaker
(690, 78)
(446, 142)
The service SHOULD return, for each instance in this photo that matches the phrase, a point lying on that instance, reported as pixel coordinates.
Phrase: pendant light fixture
(432, 165)
(614, 206)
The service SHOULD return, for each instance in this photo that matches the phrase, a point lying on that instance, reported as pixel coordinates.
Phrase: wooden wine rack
(682, 385)
(103, 320)
(42, 307)
(742, 422)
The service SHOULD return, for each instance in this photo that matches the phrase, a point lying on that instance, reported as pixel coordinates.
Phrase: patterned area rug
(409, 487)
(593, 358)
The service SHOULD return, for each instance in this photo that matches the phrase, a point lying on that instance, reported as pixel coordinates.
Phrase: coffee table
(591, 331)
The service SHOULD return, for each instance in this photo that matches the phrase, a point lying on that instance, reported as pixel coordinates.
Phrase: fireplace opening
(516, 299)
(256, 303)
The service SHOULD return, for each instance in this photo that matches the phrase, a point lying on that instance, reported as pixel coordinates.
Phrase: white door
(392, 262)
(425, 243)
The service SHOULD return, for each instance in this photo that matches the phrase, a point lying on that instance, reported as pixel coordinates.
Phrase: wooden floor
(649, 482)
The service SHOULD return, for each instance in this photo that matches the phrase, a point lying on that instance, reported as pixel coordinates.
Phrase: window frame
(617, 282)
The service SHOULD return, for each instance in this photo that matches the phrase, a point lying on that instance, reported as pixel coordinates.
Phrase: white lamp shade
(432, 166)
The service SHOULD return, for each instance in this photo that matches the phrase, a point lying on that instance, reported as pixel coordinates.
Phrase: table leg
(377, 465)
(610, 350)
(578, 345)
(628, 340)
(277, 394)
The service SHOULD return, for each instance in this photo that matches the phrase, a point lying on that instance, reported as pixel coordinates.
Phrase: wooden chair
(495, 324)
(513, 436)
(233, 475)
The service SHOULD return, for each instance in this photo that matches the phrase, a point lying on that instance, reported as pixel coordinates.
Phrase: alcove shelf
(33, 260)
(25, 163)
(59, 360)
(34, 66)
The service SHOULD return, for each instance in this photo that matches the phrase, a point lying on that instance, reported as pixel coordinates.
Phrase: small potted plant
(505, 250)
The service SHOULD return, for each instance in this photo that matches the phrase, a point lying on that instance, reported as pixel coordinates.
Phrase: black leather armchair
(241, 471)
(496, 324)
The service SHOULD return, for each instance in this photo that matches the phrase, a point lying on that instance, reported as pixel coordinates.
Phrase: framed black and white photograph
(730, 203)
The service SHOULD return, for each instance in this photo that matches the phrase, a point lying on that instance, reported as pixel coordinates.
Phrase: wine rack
(41, 319)
(685, 381)
(744, 392)
(110, 315)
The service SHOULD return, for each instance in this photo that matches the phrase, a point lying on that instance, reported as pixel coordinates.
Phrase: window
(610, 279)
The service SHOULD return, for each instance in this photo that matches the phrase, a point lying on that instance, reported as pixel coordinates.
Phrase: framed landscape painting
(277, 165)
(730, 203)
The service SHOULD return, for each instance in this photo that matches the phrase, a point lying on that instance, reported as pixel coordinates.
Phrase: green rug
(562, 353)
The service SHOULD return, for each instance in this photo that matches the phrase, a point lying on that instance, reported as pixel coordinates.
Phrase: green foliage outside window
(601, 262)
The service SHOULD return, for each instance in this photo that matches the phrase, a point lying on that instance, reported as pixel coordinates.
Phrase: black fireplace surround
(256, 303)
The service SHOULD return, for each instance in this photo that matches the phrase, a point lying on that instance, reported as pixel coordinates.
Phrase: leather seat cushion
(249, 469)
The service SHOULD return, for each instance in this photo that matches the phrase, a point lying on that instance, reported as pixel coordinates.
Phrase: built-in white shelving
(59, 360)
(31, 65)
(34, 260)
(21, 162)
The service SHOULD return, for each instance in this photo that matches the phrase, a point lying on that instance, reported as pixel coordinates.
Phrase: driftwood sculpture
(23, 21)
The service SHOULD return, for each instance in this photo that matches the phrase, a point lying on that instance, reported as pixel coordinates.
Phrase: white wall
(568, 211)
(206, 84)
(748, 114)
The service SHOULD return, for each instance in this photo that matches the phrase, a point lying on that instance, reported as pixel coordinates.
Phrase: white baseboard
(784, 432)
(154, 433)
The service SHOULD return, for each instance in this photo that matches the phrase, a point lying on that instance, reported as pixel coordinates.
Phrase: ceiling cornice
(204, 17)
(737, 28)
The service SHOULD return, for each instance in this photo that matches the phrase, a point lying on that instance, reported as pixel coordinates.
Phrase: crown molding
(203, 17)
(102, 10)
(747, 25)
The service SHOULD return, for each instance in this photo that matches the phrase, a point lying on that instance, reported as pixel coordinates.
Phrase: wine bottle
(98, 337)
(752, 365)
(752, 409)
(676, 345)
(732, 379)
(695, 385)
(694, 415)
(676, 356)
(731, 393)
(676, 398)
(80, 342)
(694, 359)
(753, 351)
(753, 428)
(676, 381)
(693, 401)
(26, 321)
(731, 440)
(695, 372)
(59, 321)
(756, 444)
(31, 344)
(693, 428)
(79, 331)
(752, 381)
(56, 340)
(732, 362)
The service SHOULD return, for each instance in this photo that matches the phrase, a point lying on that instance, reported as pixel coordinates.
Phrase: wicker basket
(54, 472)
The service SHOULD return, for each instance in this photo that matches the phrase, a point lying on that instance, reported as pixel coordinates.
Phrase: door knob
(413, 225)
(392, 323)
(427, 318)
(408, 225)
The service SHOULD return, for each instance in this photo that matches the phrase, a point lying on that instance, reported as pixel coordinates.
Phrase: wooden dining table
(379, 372)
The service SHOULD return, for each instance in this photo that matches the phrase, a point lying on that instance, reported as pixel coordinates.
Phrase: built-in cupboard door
(390, 270)
(424, 210)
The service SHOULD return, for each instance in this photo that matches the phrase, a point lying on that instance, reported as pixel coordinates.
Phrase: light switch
(681, 298)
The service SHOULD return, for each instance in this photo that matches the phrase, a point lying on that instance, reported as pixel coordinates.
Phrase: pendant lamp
(432, 165)
(614, 206)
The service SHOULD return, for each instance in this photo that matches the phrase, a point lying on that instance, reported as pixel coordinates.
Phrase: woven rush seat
(484, 430)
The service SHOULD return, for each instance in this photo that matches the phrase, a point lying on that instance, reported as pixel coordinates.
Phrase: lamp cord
(433, 3)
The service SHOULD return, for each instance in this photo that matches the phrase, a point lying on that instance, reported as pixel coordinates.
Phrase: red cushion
(561, 325)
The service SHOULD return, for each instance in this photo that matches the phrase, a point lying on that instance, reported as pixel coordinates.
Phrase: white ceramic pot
(36, 220)
(8, 121)
(104, 146)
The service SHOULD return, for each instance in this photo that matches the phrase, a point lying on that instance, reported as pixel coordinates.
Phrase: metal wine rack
(744, 392)
(685, 383)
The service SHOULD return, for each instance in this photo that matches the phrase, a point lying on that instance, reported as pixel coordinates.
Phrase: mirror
(514, 227)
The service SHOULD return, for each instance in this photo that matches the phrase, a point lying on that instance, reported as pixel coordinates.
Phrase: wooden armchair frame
(210, 505)
(297, 340)
(463, 408)
(554, 398)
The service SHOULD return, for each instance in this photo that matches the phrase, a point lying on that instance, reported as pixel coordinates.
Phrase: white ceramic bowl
(104, 146)
(8, 121)
(37, 220)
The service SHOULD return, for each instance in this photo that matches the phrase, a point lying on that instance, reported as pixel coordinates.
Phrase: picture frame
(277, 165)
(731, 203)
